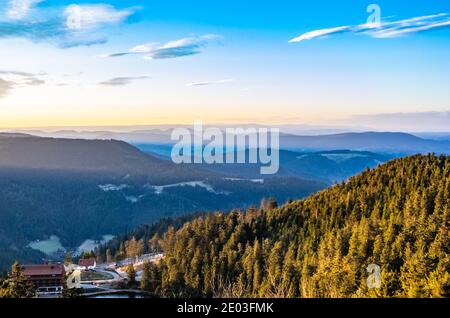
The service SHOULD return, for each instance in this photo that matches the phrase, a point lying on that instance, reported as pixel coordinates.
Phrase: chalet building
(88, 263)
(49, 279)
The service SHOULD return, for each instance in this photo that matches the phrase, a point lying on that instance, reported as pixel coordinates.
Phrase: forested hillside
(58, 193)
(396, 216)
(328, 166)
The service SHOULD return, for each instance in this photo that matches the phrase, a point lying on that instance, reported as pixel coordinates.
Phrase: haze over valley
(68, 194)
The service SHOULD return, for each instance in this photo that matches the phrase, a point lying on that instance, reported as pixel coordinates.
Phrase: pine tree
(131, 275)
(146, 276)
(15, 286)
(396, 216)
(109, 256)
(68, 258)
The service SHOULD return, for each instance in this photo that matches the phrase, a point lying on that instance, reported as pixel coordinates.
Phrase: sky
(136, 62)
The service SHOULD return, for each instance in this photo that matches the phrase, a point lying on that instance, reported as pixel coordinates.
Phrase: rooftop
(43, 270)
(87, 262)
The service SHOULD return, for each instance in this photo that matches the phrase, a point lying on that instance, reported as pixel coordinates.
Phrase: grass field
(49, 247)
(90, 245)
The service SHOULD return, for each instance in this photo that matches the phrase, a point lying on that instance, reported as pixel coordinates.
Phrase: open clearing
(48, 247)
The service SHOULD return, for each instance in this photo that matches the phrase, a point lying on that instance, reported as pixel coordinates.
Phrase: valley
(95, 197)
(63, 194)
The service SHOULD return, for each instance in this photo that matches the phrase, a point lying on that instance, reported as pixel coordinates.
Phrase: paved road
(118, 275)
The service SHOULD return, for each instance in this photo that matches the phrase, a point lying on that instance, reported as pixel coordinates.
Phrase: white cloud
(5, 87)
(172, 49)
(19, 9)
(190, 41)
(86, 17)
(406, 31)
(122, 81)
(10, 80)
(384, 30)
(144, 48)
(224, 81)
(318, 33)
(70, 26)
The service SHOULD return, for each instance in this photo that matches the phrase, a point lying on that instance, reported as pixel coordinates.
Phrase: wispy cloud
(385, 29)
(88, 17)
(5, 87)
(10, 80)
(74, 25)
(224, 81)
(19, 9)
(172, 49)
(122, 81)
(319, 34)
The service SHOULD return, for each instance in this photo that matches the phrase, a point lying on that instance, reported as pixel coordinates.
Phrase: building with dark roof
(47, 278)
(88, 263)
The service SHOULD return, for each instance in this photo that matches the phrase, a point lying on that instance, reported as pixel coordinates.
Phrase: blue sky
(144, 62)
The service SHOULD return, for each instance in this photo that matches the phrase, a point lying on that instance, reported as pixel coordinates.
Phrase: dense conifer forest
(395, 216)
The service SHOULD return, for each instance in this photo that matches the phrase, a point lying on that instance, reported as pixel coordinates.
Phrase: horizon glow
(87, 63)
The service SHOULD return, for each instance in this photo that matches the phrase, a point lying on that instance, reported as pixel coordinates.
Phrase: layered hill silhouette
(391, 142)
(328, 166)
(77, 190)
(111, 157)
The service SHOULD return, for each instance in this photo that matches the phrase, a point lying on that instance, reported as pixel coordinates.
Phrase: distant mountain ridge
(329, 166)
(108, 157)
(392, 142)
(79, 189)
